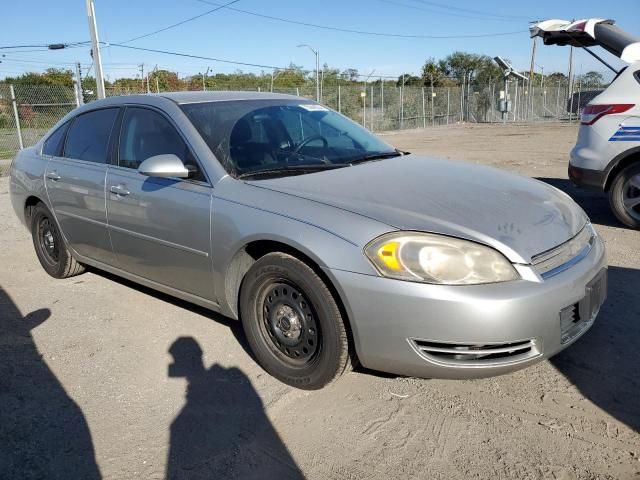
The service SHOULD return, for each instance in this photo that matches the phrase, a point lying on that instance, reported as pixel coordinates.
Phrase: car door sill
(189, 297)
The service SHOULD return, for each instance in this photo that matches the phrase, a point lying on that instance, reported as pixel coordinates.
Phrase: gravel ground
(102, 378)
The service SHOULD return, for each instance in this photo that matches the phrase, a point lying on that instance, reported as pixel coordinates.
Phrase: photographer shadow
(43, 433)
(222, 431)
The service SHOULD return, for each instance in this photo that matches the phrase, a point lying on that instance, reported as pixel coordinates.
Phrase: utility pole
(531, 72)
(95, 48)
(570, 85)
(142, 75)
(204, 77)
(316, 53)
(78, 82)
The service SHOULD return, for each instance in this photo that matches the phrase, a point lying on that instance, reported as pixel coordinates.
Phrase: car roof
(189, 97)
(200, 96)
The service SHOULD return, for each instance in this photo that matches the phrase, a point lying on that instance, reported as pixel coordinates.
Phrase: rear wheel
(51, 250)
(293, 323)
(624, 196)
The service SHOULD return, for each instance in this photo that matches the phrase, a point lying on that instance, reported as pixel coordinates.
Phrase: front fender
(235, 225)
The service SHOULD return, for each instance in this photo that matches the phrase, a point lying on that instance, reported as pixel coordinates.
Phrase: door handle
(53, 176)
(119, 190)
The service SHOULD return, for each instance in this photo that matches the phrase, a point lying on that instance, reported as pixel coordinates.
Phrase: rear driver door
(75, 182)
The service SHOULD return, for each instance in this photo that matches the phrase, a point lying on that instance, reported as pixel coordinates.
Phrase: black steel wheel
(289, 323)
(53, 254)
(293, 323)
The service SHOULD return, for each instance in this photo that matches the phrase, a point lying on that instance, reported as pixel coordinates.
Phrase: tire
(52, 252)
(292, 322)
(626, 188)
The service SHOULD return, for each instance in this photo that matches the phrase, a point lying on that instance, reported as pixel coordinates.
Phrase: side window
(54, 144)
(88, 137)
(146, 133)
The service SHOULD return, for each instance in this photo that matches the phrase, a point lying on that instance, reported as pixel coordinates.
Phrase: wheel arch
(246, 256)
(30, 202)
(619, 163)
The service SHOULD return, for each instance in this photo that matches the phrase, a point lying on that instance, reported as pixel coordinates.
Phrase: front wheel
(51, 250)
(293, 323)
(624, 196)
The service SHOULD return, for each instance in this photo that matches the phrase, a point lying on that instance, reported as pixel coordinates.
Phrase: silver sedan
(330, 246)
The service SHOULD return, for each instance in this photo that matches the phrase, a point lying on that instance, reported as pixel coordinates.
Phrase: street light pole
(95, 48)
(316, 53)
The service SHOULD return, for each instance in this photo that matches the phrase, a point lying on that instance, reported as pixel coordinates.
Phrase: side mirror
(166, 165)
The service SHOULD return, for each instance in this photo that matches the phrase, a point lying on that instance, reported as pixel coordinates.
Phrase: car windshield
(282, 137)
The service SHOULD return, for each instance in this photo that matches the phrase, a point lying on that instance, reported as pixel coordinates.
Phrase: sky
(233, 35)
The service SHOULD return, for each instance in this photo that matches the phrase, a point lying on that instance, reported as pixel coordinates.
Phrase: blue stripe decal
(626, 134)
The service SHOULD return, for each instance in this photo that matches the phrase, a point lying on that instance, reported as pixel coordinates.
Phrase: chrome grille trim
(477, 355)
(560, 258)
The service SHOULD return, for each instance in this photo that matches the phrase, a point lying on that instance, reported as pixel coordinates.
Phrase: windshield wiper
(295, 169)
(377, 156)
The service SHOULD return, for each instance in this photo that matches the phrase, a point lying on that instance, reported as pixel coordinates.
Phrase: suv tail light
(593, 113)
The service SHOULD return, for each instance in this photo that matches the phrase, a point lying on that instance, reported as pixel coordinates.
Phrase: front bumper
(393, 320)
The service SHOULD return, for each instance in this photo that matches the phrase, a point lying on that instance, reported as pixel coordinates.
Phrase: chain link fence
(27, 112)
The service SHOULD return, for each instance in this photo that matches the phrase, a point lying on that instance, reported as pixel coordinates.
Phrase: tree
(51, 76)
(481, 68)
(350, 74)
(432, 75)
(409, 80)
(592, 79)
(556, 78)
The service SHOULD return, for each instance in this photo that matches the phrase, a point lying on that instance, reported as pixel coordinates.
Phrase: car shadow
(234, 325)
(604, 363)
(594, 203)
(223, 430)
(43, 433)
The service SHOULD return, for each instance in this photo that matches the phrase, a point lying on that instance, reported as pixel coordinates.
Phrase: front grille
(470, 354)
(562, 257)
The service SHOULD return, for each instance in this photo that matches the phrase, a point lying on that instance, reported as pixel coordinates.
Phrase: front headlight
(429, 258)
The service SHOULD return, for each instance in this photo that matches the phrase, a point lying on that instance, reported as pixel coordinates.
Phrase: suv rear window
(88, 137)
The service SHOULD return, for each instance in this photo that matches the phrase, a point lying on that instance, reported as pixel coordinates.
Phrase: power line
(362, 32)
(451, 14)
(219, 7)
(469, 10)
(233, 62)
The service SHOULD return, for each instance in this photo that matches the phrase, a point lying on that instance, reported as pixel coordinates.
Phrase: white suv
(607, 153)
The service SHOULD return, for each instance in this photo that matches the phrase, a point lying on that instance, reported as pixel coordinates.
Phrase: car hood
(519, 216)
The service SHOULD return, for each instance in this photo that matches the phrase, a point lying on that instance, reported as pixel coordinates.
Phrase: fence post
(382, 97)
(401, 106)
(433, 105)
(448, 98)
(339, 100)
(297, 91)
(424, 111)
(16, 116)
(371, 111)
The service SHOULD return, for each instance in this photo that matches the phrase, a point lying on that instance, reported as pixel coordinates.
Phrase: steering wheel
(308, 140)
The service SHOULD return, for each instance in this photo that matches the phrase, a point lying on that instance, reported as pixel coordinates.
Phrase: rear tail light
(593, 113)
(578, 26)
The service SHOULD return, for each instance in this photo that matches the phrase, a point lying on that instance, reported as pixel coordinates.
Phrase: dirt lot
(85, 383)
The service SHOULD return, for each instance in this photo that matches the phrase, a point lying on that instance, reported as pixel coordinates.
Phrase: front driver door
(160, 227)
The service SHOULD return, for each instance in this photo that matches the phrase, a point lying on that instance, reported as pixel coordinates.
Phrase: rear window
(53, 145)
(88, 137)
